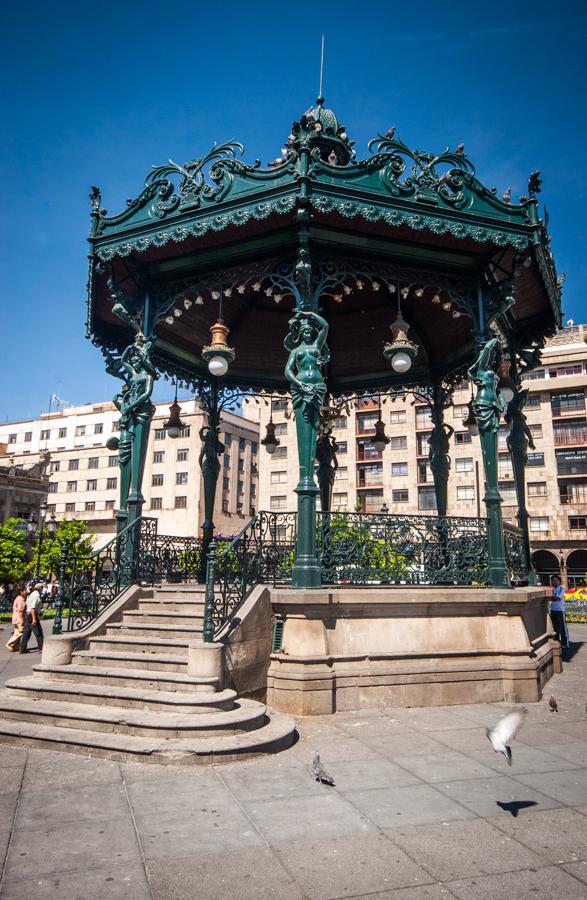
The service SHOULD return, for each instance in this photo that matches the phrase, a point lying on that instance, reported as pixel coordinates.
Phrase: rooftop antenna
(320, 97)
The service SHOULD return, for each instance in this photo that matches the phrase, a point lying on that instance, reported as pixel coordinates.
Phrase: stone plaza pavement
(422, 809)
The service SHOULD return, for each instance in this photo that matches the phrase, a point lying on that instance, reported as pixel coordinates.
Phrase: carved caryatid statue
(212, 448)
(327, 466)
(488, 405)
(438, 456)
(520, 436)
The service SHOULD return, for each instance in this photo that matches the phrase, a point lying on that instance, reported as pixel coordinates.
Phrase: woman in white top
(557, 612)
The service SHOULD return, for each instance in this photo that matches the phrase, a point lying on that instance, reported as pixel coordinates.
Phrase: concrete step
(143, 679)
(159, 605)
(277, 734)
(137, 644)
(115, 695)
(179, 591)
(188, 618)
(247, 715)
(154, 631)
(166, 662)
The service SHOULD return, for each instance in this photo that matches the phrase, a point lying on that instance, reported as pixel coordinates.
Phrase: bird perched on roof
(553, 704)
(507, 196)
(505, 731)
(320, 773)
(389, 134)
(460, 149)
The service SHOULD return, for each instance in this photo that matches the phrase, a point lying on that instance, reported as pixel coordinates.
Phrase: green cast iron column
(211, 450)
(488, 406)
(439, 443)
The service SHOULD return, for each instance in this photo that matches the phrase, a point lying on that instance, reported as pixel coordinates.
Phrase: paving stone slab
(576, 753)
(577, 870)
(568, 787)
(407, 744)
(248, 875)
(546, 882)
(368, 774)
(464, 849)
(483, 796)
(277, 783)
(92, 803)
(111, 882)
(464, 740)
(526, 759)
(558, 835)
(177, 794)
(447, 766)
(536, 735)
(362, 727)
(325, 815)
(12, 756)
(332, 748)
(347, 866)
(423, 892)
(212, 828)
(418, 804)
(49, 768)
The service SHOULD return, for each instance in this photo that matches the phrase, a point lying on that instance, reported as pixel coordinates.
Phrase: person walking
(557, 613)
(33, 618)
(18, 617)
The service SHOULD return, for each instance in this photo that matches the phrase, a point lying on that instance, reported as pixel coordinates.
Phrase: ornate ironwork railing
(137, 555)
(377, 548)
(515, 552)
(262, 553)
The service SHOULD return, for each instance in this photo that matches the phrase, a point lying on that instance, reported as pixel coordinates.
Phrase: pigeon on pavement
(553, 704)
(320, 773)
(505, 731)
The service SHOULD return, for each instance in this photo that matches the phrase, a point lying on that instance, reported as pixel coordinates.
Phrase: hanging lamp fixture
(402, 351)
(174, 425)
(506, 382)
(270, 441)
(380, 439)
(218, 354)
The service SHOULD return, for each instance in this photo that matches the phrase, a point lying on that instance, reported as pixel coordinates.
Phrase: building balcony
(368, 454)
(570, 440)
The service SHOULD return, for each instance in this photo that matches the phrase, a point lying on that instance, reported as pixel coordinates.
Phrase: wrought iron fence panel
(262, 553)
(366, 548)
(515, 552)
(177, 558)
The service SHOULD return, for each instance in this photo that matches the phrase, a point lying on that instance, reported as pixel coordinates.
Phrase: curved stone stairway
(129, 695)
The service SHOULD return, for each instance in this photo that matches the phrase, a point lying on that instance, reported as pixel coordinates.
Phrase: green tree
(72, 533)
(14, 565)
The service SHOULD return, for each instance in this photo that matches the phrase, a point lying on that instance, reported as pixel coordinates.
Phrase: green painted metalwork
(488, 405)
(308, 352)
(515, 554)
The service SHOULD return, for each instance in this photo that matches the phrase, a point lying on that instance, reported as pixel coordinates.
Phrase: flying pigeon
(389, 134)
(320, 773)
(553, 704)
(505, 731)
(460, 149)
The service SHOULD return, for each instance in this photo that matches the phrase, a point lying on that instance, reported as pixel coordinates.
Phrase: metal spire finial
(320, 99)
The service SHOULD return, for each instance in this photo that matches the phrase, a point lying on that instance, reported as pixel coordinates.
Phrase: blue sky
(98, 93)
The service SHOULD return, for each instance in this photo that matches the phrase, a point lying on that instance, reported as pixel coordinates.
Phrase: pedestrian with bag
(33, 618)
(18, 620)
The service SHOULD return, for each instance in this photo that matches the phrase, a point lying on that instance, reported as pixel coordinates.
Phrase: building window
(366, 422)
(400, 496)
(62, 432)
(372, 501)
(279, 477)
(426, 498)
(563, 371)
(570, 462)
(569, 433)
(423, 417)
(339, 422)
(181, 477)
(12, 439)
(28, 436)
(424, 472)
(109, 504)
(341, 474)
(536, 375)
(462, 437)
(181, 502)
(459, 412)
(465, 492)
(465, 464)
(185, 432)
(90, 505)
(535, 459)
(116, 425)
(72, 486)
(226, 460)
(371, 475)
(422, 444)
(280, 428)
(507, 492)
(112, 461)
(278, 406)
(504, 466)
(254, 447)
(399, 468)
(225, 483)
(240, 487)
(111, 484)
(241, 443)
(576, 492)
(158, 456)
(157, 480)
(73, 465)
(70, 507)
(577, 523)
(340, 501)
(535, 430)
(280, 453)
(45, 434)
(98, 428)
(532, 401)
(539, 524)
(159, 434)
(565, 403)
(399, 443)
(225, 508)
(80, 430)
(398, 417)
(51, 507)
(55, 466)
(341, 447)
(227, 439)
(182, 455)
(92, 485)
(156, 503)
(279, 502)
(52, 487)
(537, 489)
(93, 462)
(241, 464)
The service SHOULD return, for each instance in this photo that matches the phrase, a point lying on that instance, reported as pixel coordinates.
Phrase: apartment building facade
(83, 475)
(399, 477)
